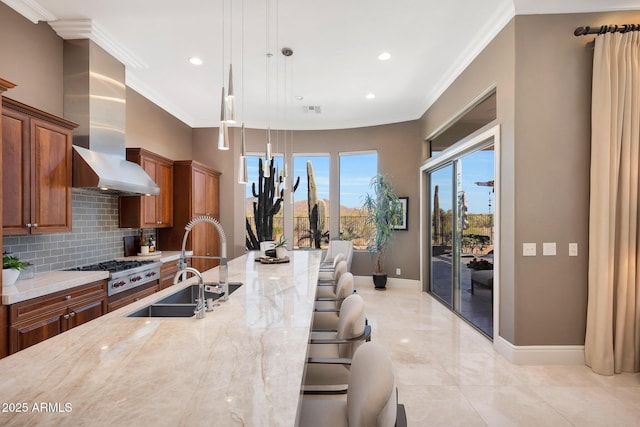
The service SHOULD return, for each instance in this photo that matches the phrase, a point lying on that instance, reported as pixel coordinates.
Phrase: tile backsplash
(95, 236)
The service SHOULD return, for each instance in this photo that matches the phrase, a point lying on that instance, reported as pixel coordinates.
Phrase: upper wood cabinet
(36, 170)
(196, 193)
(149, 211)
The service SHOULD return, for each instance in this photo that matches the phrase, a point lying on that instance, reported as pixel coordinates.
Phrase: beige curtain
(612, 342)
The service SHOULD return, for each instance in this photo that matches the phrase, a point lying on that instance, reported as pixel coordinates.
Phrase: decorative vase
(281, 252)
(380, 281)
(9, 276)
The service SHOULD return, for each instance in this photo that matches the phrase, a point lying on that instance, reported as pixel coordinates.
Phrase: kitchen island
(241, 365)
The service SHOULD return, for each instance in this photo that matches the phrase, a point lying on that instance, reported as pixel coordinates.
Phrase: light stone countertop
(48, 283)
(60, 280)
(240, 366)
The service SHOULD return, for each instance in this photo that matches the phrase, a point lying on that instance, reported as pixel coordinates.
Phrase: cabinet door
(164, 179)
(167, 273)
(35, 330)
(198, 192)
(15, 176)
(149, 203)
(50, 177)
(152, 289)
(86, 311)
(212, 189)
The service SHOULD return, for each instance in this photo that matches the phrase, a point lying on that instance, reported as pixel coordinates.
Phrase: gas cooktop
(113, 266)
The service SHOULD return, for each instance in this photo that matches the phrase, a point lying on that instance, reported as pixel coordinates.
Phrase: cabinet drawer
(167, 273)
(36, 329)
(126, 298)
(59, 300)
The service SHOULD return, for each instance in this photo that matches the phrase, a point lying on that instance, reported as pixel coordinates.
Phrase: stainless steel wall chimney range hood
(95, 98)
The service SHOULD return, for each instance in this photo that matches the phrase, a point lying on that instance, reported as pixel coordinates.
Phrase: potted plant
(11, 267)
(383, 212)
(281, 247)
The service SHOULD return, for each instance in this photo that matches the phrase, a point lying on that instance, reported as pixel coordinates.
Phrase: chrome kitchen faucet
(223, 273)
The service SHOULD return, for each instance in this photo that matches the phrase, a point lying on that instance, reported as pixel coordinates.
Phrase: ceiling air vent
(312, 109)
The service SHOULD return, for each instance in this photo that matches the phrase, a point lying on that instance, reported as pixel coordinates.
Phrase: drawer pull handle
(68, 297)
(66, 316)
(73, 313)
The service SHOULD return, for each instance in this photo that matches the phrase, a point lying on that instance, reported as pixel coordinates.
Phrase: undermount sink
(181, 303)
(165, 310)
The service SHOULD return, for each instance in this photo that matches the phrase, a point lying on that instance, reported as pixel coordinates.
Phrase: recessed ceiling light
(384, 56)
(370, 95)
(195, 60)
(299, 98)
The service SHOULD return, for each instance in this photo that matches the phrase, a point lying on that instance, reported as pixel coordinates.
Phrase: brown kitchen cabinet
(36, 170)
(196, 192)
(41, 318)
(149, 211)
(4, 312)
(167, 273)
(125, 298)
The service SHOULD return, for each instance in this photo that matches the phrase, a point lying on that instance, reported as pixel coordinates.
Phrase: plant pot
(380, 280)
(281, 252)
(9, 276)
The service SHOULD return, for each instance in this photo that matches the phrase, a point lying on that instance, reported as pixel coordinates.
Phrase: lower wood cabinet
(38, 319)
(125, 298)
(167, 273)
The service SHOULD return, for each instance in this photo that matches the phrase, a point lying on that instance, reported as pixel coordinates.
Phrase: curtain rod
(583, 31)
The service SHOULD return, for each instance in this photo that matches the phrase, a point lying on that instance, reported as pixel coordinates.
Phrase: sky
(476, 167)
(356, 172)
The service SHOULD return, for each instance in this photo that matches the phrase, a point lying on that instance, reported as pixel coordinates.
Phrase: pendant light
(242, 160)
(242, 164)
(231, 104)
(223, 133)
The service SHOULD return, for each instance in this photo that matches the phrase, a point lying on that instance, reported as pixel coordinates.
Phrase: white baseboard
(539, 354)
(392, 282)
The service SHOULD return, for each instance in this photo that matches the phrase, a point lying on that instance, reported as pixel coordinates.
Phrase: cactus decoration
(317, 210)
(270, 196)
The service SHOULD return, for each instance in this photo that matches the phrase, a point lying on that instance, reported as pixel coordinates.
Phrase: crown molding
(31, 10)
(70, 29)
(482, 39)
(547, 7)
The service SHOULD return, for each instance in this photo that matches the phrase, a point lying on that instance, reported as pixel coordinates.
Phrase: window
(253, 175)
(356, 171)
(477, 116)
(305, 236)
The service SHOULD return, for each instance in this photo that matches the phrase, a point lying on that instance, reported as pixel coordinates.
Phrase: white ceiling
(335, 44)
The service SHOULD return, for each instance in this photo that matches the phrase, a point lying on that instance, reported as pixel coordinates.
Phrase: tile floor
(449, 375)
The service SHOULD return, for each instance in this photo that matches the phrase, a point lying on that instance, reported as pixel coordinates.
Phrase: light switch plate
(549, 249)
(528, 249)
(573, 249)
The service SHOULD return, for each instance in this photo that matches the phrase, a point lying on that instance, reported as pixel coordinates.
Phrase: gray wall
(151, 127)
(31, 59)
(543, 78)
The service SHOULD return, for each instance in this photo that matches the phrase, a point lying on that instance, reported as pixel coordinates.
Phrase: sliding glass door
(442, 233)
(462, 235)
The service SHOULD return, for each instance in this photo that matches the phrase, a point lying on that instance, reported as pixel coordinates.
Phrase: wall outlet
(398, 272)
(573, 249)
